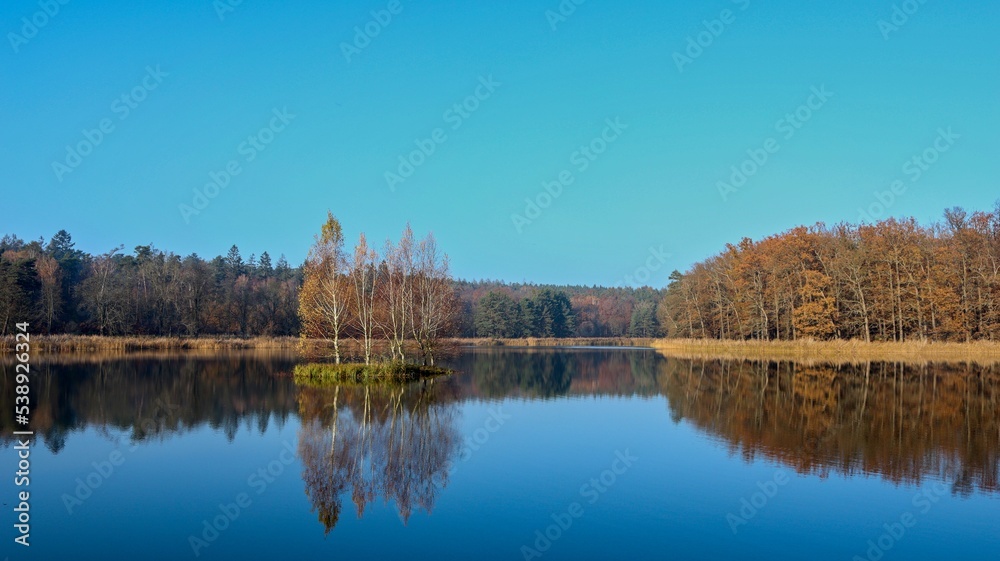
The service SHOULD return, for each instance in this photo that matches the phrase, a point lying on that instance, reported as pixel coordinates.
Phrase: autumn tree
(325, 299)
(103, 294)
(364, 279)
(50, 279)
(895, 280)
(398, 285)
(435, 303)
(814, 316)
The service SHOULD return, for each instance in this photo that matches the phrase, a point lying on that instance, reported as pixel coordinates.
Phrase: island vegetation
(403, 296)
(324, 374)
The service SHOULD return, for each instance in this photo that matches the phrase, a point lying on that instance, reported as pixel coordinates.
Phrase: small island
(400, 302)
(325, 373)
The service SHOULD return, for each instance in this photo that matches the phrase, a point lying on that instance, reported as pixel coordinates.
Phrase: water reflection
(904, 423)
(152, 396)
(387, 442)
(534, 373)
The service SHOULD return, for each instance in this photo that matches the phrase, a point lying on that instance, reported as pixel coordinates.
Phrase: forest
(894, 280)
(61, 289)
(152, 292)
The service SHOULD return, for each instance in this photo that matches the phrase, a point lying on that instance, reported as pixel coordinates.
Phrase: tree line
(151, 292)
(495, 309)
(61, 289)
(894, 280)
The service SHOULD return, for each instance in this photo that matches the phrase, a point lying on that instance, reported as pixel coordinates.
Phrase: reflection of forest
(901, 422)
(388, 442)
(498, 373)
(152, 397)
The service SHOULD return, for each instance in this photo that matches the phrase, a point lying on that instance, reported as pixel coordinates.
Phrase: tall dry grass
(834, 352)
(104, 345)
(837, 352)
(72, 344)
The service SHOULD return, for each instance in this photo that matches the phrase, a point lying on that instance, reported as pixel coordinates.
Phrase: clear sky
(198, 81)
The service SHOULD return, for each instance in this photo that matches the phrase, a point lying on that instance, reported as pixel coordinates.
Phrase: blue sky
(198, 85)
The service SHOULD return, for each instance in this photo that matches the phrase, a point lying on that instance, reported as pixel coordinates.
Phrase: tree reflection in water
(377, 441)
(902, 422)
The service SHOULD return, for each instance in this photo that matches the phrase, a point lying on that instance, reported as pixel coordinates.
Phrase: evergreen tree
(266, 269)
(644, 323)
(498, 315)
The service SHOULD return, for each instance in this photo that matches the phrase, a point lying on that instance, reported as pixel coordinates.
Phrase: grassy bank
(807, 351)
(86, 344)
(557, 342)
(321, 374)
(71, 344)
(836, 352)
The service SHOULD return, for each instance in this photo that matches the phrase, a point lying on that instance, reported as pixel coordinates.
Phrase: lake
(525, 454)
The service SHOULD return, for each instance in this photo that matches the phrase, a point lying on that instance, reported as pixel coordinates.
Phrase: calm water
(550, 454)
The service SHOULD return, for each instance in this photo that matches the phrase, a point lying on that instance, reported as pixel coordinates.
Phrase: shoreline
(831, 352)
(86, 344)
(838, 351)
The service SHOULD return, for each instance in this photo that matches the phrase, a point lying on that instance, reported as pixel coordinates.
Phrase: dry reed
(834, 352)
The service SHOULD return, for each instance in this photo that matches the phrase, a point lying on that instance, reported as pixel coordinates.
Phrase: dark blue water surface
(525, 454)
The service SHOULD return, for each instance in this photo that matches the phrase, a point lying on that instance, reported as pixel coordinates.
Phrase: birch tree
(432, 314)
(325, 296)
(365, 281)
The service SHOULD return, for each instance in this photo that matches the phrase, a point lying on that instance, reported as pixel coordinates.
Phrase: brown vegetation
(904, 423)
(896, 280)
(84, 344)
(377, 443)
(831, 352)
(403, 296)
